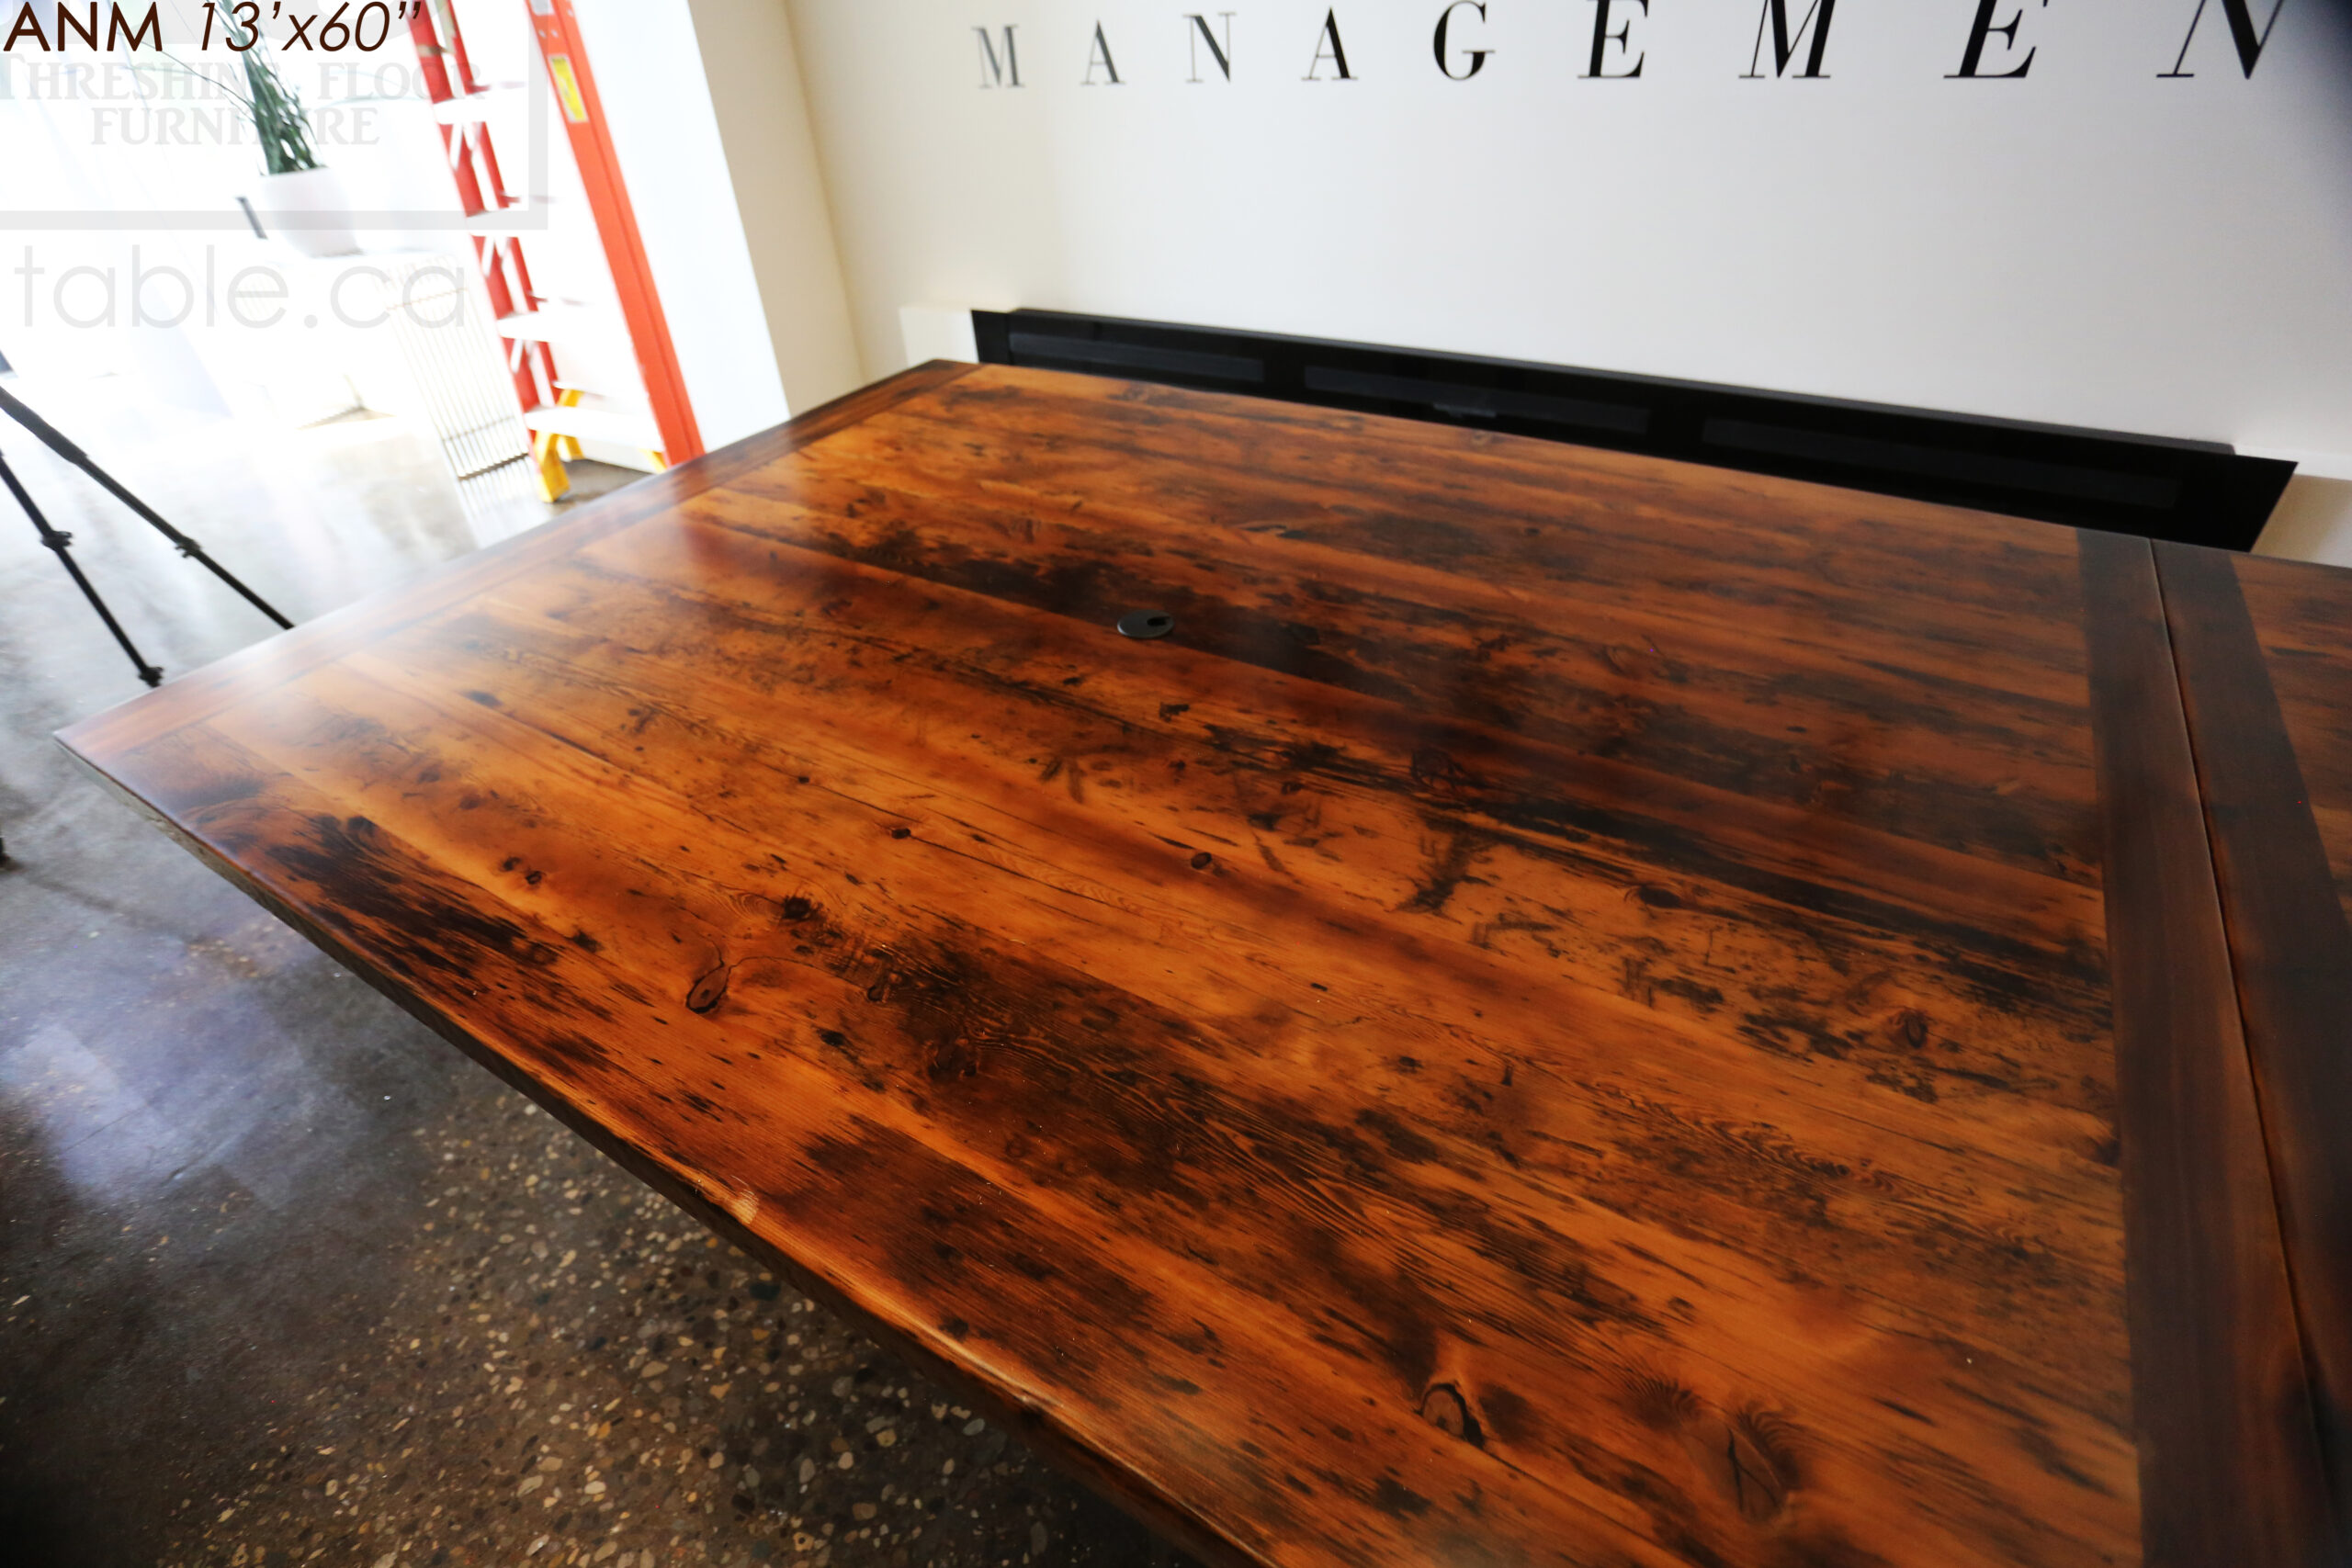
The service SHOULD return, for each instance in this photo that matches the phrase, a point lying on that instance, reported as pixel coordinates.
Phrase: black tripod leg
(51, 437)
(62, 542)
(187, 547)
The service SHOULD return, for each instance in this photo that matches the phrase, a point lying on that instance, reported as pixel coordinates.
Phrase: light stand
(61, 542)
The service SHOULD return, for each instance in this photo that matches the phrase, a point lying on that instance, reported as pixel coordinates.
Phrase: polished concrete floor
(283, 1278)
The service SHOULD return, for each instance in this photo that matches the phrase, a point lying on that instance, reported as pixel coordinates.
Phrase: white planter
(308, 210)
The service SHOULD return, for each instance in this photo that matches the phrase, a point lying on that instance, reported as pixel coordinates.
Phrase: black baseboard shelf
(2191, 492)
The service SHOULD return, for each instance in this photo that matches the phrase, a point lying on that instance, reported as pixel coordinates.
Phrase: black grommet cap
(1147, 624)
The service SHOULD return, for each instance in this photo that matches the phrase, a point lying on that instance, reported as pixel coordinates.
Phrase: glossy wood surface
(2265, 652)
(1565, 1015)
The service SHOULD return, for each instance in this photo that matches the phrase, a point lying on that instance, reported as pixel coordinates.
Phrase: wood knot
(1432, 769)
(1443, 1407)
(1751, 1456)
(1201, 861)
(708, 990)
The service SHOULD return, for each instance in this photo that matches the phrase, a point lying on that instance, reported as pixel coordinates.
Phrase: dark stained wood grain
(2289, 933)
(1564, 1016)
(2229, 1453)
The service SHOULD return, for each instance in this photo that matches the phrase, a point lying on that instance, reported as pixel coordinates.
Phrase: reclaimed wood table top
(1576, 1010)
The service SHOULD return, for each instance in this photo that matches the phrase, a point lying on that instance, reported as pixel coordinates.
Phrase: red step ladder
(548, 408)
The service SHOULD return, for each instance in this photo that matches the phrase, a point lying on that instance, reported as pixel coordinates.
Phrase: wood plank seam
(2291, 951)
(2230, 1471)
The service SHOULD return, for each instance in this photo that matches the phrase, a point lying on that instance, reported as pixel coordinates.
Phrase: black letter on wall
(1784, 43)
(1200, 34)
(1336, 55)
(992, 70)
(1477, 56)
(1602, 37)
(2242, 33)
(1101, 55)
(1977, 32)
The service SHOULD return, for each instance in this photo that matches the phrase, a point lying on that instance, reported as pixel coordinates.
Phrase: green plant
(277, 117)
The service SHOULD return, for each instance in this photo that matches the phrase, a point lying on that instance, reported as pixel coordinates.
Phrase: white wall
(2089, 244)
(649, 73)
(780, 197)
(714, 140)
(2313, 520)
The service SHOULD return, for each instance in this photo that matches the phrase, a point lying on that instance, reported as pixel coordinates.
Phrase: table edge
(1111, 1482)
